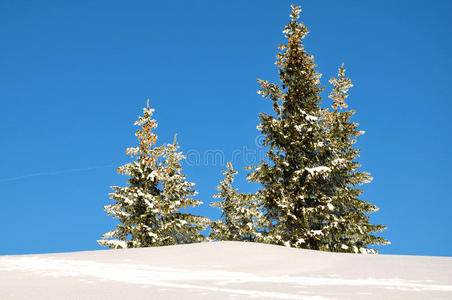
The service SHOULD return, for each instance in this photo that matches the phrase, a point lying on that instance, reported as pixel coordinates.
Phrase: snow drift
(223, 270)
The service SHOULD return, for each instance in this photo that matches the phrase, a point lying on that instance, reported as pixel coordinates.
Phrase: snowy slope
(223, 270)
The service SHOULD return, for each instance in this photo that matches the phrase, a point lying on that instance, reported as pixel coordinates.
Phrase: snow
(308, 116)
(119, 243)
(317, 232)
(223, 270)
(338, 161)
(315, 170)
(311, 118)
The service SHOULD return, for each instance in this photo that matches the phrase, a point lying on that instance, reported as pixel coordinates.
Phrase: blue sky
(74, 75)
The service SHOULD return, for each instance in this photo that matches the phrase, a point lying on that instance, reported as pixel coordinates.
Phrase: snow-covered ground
(223, 270)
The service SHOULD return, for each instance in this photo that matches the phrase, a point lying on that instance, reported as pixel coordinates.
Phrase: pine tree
(350, 231)
(295, 189)
(149, 208)
(182, 227)
(299, 193)
(240, 212)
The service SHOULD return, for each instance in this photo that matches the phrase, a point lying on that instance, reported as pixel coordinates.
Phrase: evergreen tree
(182, 227)
(294, 192)
(149, 209)
(350, 231)
(240, 212)
(299, 192)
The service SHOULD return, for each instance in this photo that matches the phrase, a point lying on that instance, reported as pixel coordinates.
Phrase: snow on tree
(350, 231)
(150, 208)
(182, 227)
(240, 212)
(298, 191)
(294, 180)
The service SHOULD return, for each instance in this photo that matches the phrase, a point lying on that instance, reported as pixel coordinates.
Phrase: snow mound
(223, 270)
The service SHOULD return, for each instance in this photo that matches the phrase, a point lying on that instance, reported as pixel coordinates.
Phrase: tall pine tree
(240, 212)
(350, 231)
(293, 193)
(150, 208)
(299, 193)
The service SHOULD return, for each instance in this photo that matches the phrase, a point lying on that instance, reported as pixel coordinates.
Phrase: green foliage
(350, 231)
(150, 208)
(308, 193)
(240, 212)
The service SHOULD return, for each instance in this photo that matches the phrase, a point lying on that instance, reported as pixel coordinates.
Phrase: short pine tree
(240, 212)
(149, 209)
(350, 231)
(182, 227)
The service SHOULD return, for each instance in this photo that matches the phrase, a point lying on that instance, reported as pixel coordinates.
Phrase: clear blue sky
(74, 75)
